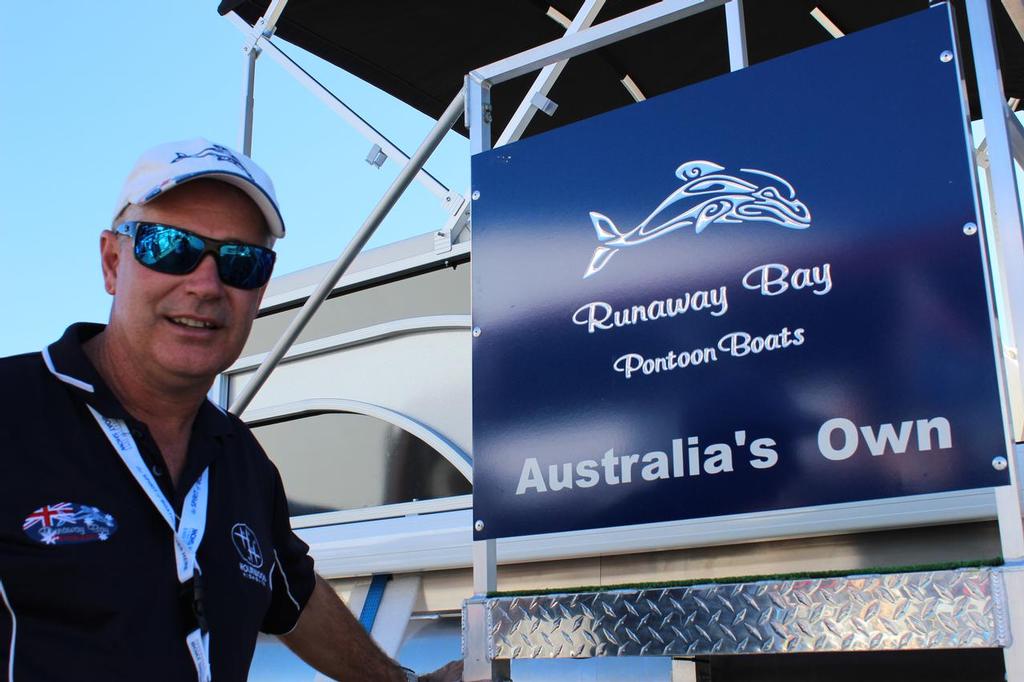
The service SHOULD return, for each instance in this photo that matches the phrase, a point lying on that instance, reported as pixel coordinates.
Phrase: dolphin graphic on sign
(707, 196)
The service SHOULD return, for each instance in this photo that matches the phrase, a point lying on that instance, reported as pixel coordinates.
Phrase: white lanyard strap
(188, 532)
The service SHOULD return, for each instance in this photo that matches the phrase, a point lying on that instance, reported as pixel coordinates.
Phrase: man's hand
(449, 673)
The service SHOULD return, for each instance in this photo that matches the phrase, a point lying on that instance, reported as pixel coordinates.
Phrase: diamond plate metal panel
(933, 610)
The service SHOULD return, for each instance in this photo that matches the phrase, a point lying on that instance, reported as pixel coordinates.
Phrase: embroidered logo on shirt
(66, 523)
(248, 548)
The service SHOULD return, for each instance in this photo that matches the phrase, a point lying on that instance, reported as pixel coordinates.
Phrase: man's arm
(329, 638)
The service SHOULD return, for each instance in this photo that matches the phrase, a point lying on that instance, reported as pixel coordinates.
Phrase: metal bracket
(265, 25)
(259, 31)
(1016, 134)
(827, 23)
(448, 235)
(376, 157)
(544, 104)
(252, 47)
(632, 88)
(981, 154)
(477, 653)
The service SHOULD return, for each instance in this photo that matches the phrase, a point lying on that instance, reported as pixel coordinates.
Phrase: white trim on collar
(77, 383)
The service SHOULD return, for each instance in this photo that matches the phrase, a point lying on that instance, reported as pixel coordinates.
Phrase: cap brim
(275, 223)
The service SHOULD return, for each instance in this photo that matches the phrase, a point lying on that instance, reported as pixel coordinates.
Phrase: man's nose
(204, 281)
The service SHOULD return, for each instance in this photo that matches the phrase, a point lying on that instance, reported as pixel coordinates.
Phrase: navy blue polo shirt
(88, 585)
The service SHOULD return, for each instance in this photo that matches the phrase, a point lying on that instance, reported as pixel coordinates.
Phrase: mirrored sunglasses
(176, 251)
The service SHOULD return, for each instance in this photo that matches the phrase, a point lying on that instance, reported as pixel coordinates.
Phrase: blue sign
(763, 291)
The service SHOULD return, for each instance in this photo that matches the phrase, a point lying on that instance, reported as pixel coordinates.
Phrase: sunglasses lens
(174, 251)
(245, 266)
(167, 249)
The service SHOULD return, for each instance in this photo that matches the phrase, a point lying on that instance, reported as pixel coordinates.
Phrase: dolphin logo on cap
(218, 152)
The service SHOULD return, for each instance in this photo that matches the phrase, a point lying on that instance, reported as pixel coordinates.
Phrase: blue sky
(87, 86)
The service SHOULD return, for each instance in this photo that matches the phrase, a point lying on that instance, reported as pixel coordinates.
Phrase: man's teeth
(189, 322)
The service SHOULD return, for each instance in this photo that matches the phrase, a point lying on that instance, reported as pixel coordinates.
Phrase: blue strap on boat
(374, 595)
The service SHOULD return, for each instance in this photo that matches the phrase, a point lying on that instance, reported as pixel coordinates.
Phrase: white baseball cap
(168, 165)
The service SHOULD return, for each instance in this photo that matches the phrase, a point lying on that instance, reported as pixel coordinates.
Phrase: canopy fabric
(420, 51)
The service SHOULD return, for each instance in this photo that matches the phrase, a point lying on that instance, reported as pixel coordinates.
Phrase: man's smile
(193, 322)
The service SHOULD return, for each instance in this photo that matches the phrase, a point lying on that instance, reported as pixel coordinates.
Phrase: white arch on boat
(446, 448)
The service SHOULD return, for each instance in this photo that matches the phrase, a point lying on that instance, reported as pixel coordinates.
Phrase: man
(144, 534)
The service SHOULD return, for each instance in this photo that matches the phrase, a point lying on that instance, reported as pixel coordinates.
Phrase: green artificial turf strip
(809, 575)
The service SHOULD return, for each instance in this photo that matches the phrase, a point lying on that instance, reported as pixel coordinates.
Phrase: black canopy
(419, 51)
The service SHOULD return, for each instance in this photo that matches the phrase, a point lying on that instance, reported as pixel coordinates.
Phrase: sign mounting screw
(970, 229)
(478, 526)
(998, 463)
(946, 56)
(476, 195)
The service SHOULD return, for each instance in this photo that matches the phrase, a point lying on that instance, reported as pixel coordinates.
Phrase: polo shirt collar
(67, 361)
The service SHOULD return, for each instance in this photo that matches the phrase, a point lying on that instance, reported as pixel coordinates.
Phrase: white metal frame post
(1007, 225)
(737, 33)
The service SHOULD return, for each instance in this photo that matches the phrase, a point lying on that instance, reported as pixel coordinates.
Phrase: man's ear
(110, 259)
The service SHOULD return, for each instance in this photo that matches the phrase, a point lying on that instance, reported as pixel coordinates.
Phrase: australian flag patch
(66, 523)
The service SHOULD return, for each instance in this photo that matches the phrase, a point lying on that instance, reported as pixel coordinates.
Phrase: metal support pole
(264, 27)
(1010, 354)
(737, 33)
(479, 666)
(357, 122)
(377, 215)
(485, 566)
(248, 99)
(1008, 225)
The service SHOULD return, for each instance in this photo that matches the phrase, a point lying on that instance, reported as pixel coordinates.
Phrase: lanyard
(188, 532)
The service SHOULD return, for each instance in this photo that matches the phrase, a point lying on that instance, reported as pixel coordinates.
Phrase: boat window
(336, 461)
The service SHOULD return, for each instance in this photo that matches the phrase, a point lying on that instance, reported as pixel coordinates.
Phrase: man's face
(183, 329)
